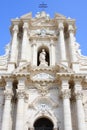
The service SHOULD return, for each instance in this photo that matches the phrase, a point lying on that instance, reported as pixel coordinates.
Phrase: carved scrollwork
(8, 95)
(65, 93)
(79, 95)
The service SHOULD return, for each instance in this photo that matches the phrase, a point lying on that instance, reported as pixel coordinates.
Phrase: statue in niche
(42, 58)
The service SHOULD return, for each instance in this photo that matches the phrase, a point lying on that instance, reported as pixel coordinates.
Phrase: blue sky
(76, 9)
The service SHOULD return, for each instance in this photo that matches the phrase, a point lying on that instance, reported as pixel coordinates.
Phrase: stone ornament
(21, 94)
(79, 95)
(66, 93)
(8, 94)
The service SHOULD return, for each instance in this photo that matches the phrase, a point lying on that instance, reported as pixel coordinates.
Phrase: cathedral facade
(43, 76)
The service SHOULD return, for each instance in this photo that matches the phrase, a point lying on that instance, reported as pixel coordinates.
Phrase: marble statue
(42, 58)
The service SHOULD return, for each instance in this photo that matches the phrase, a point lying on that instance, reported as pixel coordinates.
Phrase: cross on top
(43, 6)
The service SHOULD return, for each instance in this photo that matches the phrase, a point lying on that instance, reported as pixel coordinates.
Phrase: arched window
(43, 56)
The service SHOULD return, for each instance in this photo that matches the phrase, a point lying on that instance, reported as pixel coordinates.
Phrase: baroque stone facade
(43, 76)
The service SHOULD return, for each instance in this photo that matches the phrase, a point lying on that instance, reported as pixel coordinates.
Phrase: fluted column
(24, 42)
(66, 94)
(52, 54)
(34, 51)
(7, 111)
(62, 43)
(14, 48)
(20, 104)
(79, 106)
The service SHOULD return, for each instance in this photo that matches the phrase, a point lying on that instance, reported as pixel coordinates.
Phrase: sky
(76, 9)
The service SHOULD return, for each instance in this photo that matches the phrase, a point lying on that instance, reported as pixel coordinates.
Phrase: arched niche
(43, 123)
(47, 56)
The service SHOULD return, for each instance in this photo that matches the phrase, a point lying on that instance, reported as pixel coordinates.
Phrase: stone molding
(65, 93)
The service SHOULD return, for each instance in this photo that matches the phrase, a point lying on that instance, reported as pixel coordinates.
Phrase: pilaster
(34, 51)
(52, 53)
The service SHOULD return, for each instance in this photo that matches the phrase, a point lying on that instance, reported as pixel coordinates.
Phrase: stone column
(34, 51)
(7, 111)
(75, 65)
(79, 107)
(52, 54)
(20, 110)
(24, 42)
(14, 47)
(20, 104)
(66, 105)
(62, 43)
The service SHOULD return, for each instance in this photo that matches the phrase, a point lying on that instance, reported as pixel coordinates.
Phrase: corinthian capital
(25, 26)
(8, 94)
(78, 95)
(70, 29)
(65, 93)
(15, 28)
(21, 93)
(61, 26)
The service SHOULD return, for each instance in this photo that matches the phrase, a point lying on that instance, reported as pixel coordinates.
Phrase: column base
(11, 66)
